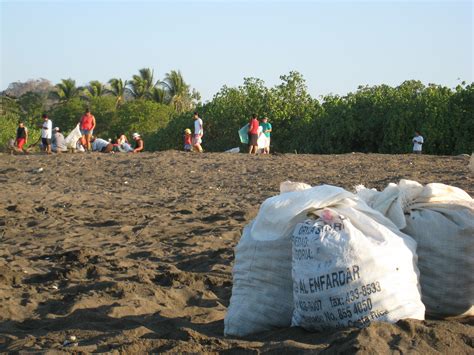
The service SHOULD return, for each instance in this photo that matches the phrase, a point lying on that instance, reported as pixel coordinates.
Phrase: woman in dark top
(21, 135)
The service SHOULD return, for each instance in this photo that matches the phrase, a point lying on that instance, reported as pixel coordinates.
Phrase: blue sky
(335, 45)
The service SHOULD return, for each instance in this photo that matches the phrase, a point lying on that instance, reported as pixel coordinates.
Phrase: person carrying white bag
(441, 219)
(262, 293)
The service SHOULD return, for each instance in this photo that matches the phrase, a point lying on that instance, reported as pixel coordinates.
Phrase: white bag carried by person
(262, 292)
(441, 219)
(350, 270)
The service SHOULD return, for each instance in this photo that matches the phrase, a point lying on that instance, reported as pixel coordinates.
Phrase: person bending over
(101, 145)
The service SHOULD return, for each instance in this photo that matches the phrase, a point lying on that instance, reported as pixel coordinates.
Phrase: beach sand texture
(134, 253)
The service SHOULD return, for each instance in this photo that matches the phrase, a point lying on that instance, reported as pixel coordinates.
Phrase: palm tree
(95, 89)
(118, 88)
(178, 91)
(65, 90)
(141, 85)
(159, 94)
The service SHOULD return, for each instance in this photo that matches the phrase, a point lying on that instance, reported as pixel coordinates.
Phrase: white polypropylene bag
(73, 137)
(441, 219)
(346, 276)
(262, 292)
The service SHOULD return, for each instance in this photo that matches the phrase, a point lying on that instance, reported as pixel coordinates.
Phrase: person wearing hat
(187, 140)
(58, 143)
(139, 145)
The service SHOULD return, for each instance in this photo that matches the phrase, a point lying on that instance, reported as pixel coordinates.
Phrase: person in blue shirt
(266, 130)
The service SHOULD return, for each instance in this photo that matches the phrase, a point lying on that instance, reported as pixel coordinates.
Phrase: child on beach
(187, 140)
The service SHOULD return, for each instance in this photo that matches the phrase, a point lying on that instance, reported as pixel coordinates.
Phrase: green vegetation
(377, 119)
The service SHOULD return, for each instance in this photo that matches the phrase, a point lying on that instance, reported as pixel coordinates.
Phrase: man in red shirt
(253, 134)
(87, 126)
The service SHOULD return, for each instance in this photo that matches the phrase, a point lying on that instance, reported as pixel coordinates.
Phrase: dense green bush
(376, 119)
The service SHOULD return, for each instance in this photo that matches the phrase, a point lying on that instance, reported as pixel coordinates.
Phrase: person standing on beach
(253, 134)
(21, 135)
(46, 134)
(417, 143)
(198, 132)
(87, 126)
(266, 130)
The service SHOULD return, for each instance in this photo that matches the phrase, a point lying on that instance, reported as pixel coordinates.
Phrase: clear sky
(335, 45)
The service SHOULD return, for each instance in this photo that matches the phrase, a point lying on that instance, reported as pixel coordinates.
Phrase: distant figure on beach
(122, 144)
(266, 130)
(417, 143)
(101, 145)
(46, 134)
(198, 132)
(139, 144)
(87, 126)
(58, 144)
(253, 134)
(188, 140)
(21, 136)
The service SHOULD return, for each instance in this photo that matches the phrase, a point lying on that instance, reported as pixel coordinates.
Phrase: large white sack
(262, 292)
(345, 275)
(441, 219)
(73, 137)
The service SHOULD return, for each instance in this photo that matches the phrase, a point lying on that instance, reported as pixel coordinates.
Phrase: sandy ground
(134, 253)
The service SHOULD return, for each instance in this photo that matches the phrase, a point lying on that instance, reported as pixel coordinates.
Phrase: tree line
(376, 119)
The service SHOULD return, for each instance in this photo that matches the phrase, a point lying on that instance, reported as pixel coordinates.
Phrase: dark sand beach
(134, 253)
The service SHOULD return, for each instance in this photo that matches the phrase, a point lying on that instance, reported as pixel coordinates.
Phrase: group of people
(257, 128)
(193, 142)
(52, 140)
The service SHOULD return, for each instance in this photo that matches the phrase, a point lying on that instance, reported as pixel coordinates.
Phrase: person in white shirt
(417, 143)
(46, 133)
(198, 133)
(101, 145)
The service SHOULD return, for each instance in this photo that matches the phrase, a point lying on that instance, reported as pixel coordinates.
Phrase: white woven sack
(441, 219)
(351, 274)
(262, 291)
(73, 137)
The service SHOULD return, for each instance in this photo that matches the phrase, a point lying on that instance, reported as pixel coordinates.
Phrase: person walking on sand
(266, 130)
(46, 133)
(87, 126)
(198, 132)
(417, 143)
(21, 135)
(253, 134)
